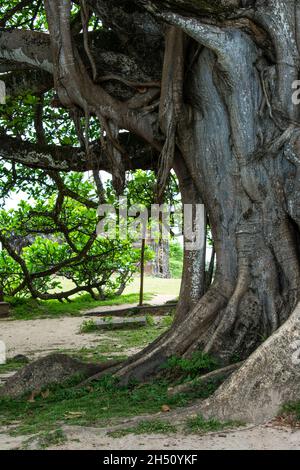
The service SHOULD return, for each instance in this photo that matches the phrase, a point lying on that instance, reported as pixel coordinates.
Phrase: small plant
(150, 320)
(146, 427)
(198, 363)
(199, 424)
(12, 365)
(49, 439)
(167, 321)
(292, 409)
(88, 326)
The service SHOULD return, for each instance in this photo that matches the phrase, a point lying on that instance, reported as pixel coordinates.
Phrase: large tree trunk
(266, 381)
(239, 144)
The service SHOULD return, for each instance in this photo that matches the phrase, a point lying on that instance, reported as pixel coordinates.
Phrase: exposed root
(49, 370)
(189, 386)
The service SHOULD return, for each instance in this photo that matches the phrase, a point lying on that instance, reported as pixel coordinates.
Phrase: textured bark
(227, 124)
(240, 148)
(265, 382)
(138, 155)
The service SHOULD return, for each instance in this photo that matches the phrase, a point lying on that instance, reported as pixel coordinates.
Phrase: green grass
(135, 338)
(293, 409)
(51, 439)
(146, 427)
(156, 286)
(96, 404)
(13, 364)
(188, 369)
(10, 366)
(200, 425)
(28, 309)
(96, 354)
(122, 340)
(88, 326)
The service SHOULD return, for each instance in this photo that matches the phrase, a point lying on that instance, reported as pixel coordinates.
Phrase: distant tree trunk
(162, 259)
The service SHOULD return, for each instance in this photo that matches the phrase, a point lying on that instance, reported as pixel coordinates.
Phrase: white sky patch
(15, 199)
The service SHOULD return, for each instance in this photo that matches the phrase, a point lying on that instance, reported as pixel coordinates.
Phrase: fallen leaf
(74, 414)
(165, 408)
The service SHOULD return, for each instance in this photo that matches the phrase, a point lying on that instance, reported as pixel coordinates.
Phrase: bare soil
(264, 437)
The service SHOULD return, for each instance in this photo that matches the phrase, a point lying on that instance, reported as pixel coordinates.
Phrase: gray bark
(234, 141)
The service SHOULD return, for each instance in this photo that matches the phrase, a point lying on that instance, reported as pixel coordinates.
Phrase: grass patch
(95, 404)
(127, 339)
(11, 365)
(115, 343)
(188, 369)
(292, 409)
(146, 427)
(51, 439)
(96, 354)
(201, 425)
(88, 326)
(118, 341)
(29, 309)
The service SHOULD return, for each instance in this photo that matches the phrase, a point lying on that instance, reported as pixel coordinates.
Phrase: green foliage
(88, 326)
(51, 439)
(27, 309)
(176, 260)
(199, 363)
(95, 404)
(292, 409)
(201, 425)
(11, 365)
(63, 245)
(150, 320)
(167, 321)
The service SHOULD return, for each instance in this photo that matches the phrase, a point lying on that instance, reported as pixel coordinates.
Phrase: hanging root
(85, 17)
(171, 102)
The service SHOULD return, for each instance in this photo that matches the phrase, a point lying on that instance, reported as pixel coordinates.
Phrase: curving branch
(27, 54)
(65, 158)
(26, 47)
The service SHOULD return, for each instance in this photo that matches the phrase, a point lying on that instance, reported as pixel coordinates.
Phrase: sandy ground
(35, 338)
(39, 337)
(253, 438)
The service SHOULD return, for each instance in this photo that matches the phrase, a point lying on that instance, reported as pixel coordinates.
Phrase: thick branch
(65, 159)
(26, 47)
(22, 50)
(35, 82)
(192, 7)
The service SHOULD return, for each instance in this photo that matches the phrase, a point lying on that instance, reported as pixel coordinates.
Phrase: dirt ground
(86, 438)
(36, 338)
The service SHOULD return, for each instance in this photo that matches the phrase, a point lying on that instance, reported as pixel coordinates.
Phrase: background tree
(54, 238)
